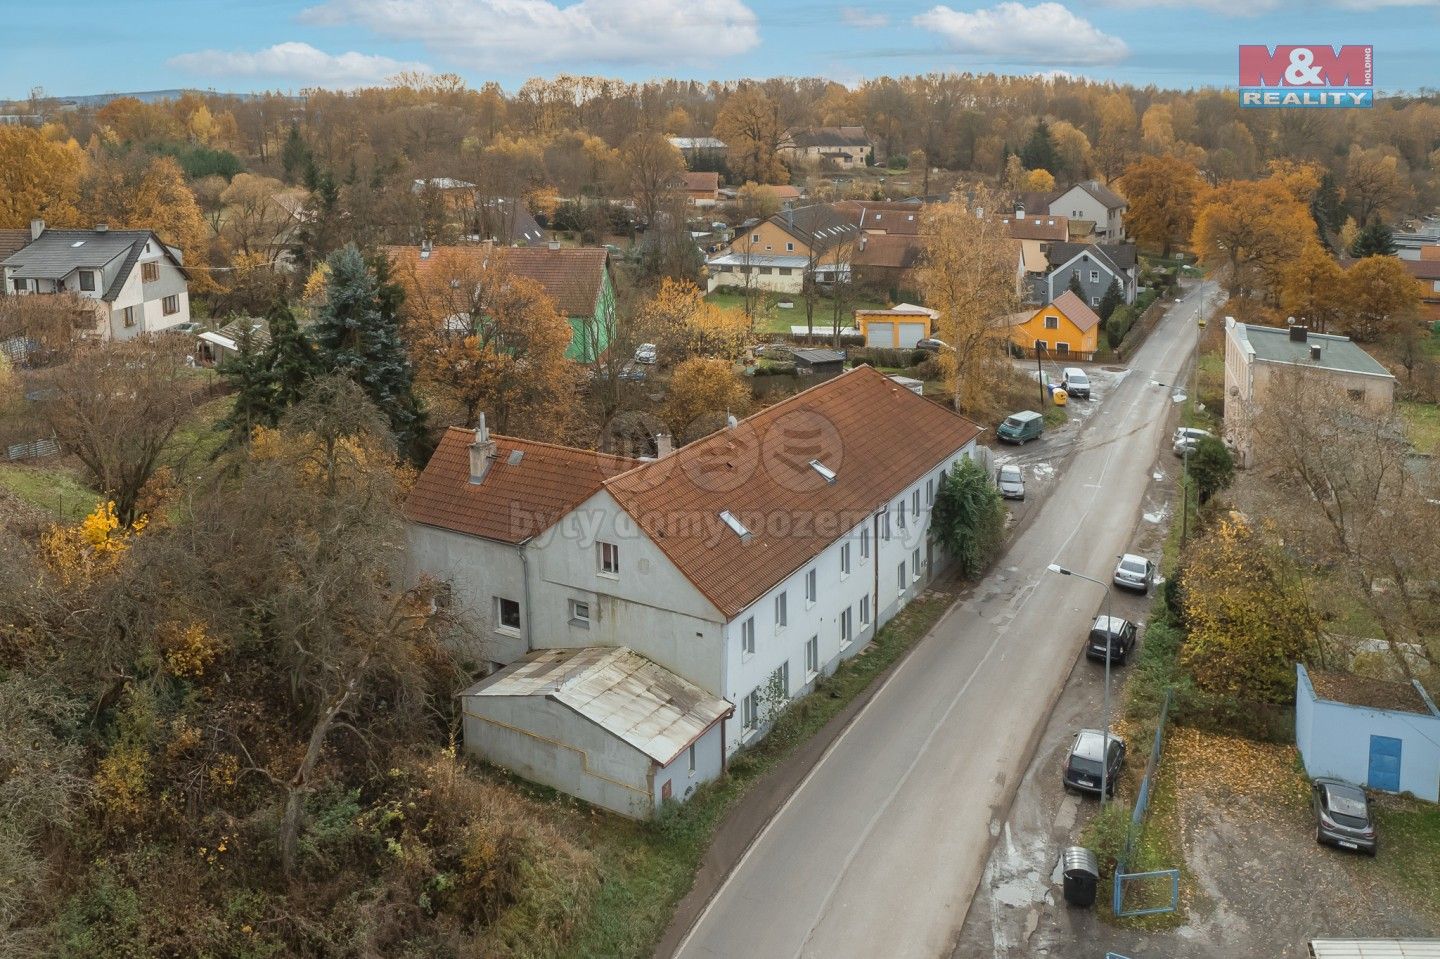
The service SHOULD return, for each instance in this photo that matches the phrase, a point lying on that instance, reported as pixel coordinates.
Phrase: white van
(1075, 383)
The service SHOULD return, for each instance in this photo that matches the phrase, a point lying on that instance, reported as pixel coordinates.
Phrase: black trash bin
(1082, 876)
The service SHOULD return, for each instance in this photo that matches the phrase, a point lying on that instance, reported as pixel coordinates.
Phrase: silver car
(1134, 572)
(1011, 482)
(1187, 438)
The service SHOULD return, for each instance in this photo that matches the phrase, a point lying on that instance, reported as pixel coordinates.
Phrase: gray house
(1096, 202)
(136, 283)
(1096, 265)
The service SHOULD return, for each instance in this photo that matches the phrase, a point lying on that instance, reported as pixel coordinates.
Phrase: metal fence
(1136, 825)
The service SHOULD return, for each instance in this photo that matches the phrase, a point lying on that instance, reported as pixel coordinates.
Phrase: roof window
(77, 243)
(823, 470)
(736, 527)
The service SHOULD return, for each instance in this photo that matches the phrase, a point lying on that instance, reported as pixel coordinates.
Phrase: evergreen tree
(1039, 150)
(250, 371)
(295, 155)
(1113, 298)
(1374, 240)
(292, 359)
(357, 335)
(1326, 208)
(1075, 286)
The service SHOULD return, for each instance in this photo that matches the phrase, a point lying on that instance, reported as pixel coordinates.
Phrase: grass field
(52, 488)
(1422, 422)
(772, 319)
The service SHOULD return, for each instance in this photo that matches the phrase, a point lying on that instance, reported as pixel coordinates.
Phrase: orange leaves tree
(134, 192)
(1379, 296)
(701, 393)
(684, 325)
(40, 171)
(1247, 616)
(1253, 228)
(1312, 288)
(1162, 191)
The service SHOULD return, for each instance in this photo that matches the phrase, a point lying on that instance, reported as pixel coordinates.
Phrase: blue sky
(241, 45)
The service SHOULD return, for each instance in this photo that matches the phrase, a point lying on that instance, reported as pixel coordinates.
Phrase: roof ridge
(542, 443)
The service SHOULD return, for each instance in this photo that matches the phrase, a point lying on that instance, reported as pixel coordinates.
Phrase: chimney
(37, 227)
(424, 249)
(554, 244)
(1315, 352)
(1299, 334)
(482, 452)
(664, 446)
(102, 228)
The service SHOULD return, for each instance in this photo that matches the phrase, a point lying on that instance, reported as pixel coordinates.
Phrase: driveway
(879, 850)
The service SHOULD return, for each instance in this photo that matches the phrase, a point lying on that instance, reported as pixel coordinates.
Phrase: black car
(1112, 633)
(930, 345)
(1082, 764)
(1342, 816)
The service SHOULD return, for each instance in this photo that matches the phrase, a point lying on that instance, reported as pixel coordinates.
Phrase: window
(692, 759)
(915, 563)
(780, 681)
(20, 286)
(845, 627)
(1052, 322)
(1094, 301)
(507, 614)
(900, 514)
(170, 305)
(789, 247)
(129, 315)
(149, 272)
(750, 711)
(865, 611)
(845, 560)
(747, 636)
(811, 593)
(1062, 348)
(1356, 396)
(1042, 345)
(754, 238)
(784, 271)
(865, 543)
(579, 613)
(812, 657)
(765, 271)
(930, 491)
(780, 612)
(915, 501)
(1094, 276)
(900, 581)
(87, 281)
(609, 559)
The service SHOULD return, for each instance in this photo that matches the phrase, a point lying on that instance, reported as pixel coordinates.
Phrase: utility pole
(1109, 649)
(1040, 372)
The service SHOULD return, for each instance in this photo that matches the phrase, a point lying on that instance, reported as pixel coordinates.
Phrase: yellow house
(1064, 328)
(777, 254)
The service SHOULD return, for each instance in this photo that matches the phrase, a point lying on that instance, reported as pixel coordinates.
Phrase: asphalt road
(879, 850)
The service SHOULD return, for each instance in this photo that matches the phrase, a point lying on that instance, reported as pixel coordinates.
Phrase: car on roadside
(1010, 480)
(1113, 634)
(1082, 764)
(1187, 438)
(1020, 428)
(1342, 816)
(1134, 572)
(1075, 382)
(930, 345)
(646, 353)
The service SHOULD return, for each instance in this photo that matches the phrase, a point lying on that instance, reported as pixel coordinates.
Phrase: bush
(969, 517)
(200, 161)
(883, 356)
(898, 163)
(1119, 324)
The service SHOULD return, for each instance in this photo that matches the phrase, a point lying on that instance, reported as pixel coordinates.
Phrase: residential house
(1096, 266)
(504, 220)
(578, 279)
(1427, 271)
(898, 328)
(748, 563)
(1094, 201)
(707, 150)
(843, 147)
(886, 262)
(1061, 330)
(701, 189)
(1255, 356)
(777, 254)
(1036, 234)
(883, 217)
(135, 282)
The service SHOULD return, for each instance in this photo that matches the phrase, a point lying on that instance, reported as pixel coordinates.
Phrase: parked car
(1342, 816)
(1075, 382)
(646, 353)
(1112, 633)
(1011, 482)
(1082, 764)
(632, 373)
(1187, 438)
(1134, 572)
(930, 345)
(1020, 428)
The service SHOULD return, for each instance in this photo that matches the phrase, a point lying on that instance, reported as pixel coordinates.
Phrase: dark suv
(1082, 765)
(1342, 816)
(1112, 633)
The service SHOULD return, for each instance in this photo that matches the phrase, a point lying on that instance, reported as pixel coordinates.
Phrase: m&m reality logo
(1317, 75)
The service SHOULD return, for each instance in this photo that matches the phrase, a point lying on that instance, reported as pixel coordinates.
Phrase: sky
(75, 47)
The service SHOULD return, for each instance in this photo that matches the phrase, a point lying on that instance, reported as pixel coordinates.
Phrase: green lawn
(53, 488)
(197, 438)
(772, 319)
(1422, 421)
(1409, 833)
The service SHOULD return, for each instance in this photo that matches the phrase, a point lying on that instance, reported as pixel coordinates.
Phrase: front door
(1384, 764)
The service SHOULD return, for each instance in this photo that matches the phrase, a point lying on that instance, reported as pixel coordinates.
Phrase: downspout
(525, 589)
(875, 574)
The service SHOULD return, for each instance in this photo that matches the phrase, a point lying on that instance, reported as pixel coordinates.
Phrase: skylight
(77, 243)
(823, 470)
(736, 527)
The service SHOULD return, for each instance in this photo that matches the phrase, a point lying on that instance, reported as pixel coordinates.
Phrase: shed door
(912, 333)
(1384, 764)
(880, 334)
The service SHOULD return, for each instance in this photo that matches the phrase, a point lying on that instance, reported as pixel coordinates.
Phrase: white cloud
(518, 33)
(863, 19)
(1255, 8)
(1047, 33)
(297, 63)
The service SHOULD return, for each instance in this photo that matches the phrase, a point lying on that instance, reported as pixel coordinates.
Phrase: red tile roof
(572, 276)
(514, 500)
(702, 182)
(1039, 227)
(899, 252)
(878, 437)
(1075, 308)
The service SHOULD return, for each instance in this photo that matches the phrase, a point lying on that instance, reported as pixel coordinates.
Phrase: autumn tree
(968, 275)
(653, 168)
(131, 192)
(1254, 229)
(1375, 185)
(749, 123)
(40, 177)
(1378, 294)
(702, 392)
(115, 407)
(254, 217)
(1161, 191)
(684, 325)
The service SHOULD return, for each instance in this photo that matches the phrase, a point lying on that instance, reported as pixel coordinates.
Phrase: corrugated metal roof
(1375, 948)
(640, 702)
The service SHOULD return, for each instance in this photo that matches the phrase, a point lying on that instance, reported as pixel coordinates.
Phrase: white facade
(1078, 204)
(149, 306)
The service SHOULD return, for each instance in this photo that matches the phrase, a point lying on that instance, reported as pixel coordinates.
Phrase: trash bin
(1059, 395)
(1082, 876)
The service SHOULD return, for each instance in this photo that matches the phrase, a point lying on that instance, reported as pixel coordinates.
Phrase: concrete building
(135, 282)
(840, 147)
(898, 328)
(603, 724)
(1256, 355)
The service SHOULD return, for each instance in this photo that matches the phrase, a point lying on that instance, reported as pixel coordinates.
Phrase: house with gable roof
(777, 254)
(749, 562)
(1094, 265)
(1093, 201)
(1065, 328)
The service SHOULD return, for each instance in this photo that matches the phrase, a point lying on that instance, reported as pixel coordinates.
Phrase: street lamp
(1105, 728)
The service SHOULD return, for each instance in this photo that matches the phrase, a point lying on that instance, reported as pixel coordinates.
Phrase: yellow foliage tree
(94, 545)
(1312, 290)
(1378, 294)
(153, 196)
(1162, 192)
(702, 392)
(1254, 228)
(749, 123)
(39, 178)
(684, 325)
(1039, 181)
